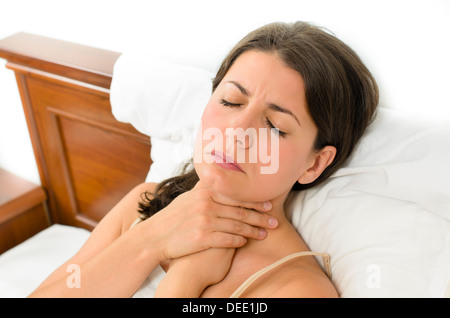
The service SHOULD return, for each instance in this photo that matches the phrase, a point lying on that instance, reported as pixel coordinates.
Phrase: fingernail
(273, 222)
(267, 205)
(262, 233)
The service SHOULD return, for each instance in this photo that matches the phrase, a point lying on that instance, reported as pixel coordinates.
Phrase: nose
(242, 138)
(241, 131)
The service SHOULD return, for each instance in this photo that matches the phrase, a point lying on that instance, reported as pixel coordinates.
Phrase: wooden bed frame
(87, 160)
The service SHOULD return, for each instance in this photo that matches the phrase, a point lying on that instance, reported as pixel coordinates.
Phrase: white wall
(406, 44)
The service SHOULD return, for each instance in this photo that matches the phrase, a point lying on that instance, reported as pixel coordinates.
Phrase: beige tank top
(245, 285)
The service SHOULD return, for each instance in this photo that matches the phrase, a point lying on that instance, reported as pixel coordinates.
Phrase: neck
(284, 233)
(278, 210)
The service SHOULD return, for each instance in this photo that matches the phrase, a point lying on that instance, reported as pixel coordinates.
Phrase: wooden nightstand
(23, 211)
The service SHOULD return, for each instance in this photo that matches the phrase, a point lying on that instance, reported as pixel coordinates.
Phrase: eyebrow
(274, 107)
(240, 87)
(285, 111)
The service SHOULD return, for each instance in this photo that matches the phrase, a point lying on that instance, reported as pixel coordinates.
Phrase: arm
(115, 260)
(110, 251)
(190, 275)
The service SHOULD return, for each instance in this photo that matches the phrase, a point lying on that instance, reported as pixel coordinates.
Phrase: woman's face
(256, 137)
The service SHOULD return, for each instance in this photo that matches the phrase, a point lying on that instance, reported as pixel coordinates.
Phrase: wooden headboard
(87, 160)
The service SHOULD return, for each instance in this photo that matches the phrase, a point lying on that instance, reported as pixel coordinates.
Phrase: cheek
(210, 132)
(294, 161)
(281, 172)
(288, 154)
(211, 115)
(290, 163)
(208, 120)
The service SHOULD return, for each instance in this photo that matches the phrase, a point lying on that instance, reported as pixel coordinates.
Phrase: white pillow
(384, 217)
(163, 100)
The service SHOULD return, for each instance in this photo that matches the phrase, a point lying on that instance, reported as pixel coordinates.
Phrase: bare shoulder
(303, 282)
(119, 219)
(127, 208)
(293, 280)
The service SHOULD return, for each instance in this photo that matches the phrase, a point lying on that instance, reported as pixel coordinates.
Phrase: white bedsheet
(25, 266)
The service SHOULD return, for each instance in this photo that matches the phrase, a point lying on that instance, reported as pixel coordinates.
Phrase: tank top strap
(254, 277)
(135, 222)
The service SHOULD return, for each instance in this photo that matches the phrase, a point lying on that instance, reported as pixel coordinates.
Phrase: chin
(227, 183)
(233, 185)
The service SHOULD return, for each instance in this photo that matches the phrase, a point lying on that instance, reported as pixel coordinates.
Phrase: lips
(225, 161)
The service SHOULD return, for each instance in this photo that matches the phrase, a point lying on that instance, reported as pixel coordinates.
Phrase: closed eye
(272, 128)
(275, 130)
(228, 104)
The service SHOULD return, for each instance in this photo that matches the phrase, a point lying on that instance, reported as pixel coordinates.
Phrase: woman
(216, 225)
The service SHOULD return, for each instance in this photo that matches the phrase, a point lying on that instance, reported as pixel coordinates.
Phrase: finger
(240, 228)
(219, 198)
(247, 216)
(226, 240)
(258, 206)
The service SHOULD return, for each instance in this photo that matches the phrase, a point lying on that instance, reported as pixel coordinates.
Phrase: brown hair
(341, 95)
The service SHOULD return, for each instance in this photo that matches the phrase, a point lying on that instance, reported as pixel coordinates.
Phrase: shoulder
(119, 219)
(301, 279)
(137, 192)
(303, 282)
(142, 187)
(127, 208)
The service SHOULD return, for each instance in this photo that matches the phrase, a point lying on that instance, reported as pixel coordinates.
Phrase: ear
(322, 159)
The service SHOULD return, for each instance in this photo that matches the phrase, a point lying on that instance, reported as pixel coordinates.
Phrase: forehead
(266, 72)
